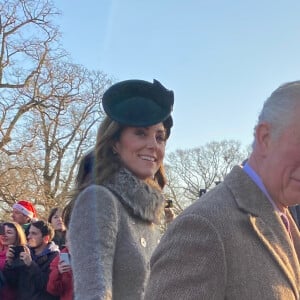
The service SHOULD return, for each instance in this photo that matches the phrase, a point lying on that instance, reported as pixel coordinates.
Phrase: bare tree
(62, 126)
(15, 183)
(48, 106)
(27, 37)
(67, 126)
(174, 191)
(201, 168)
(27, 31)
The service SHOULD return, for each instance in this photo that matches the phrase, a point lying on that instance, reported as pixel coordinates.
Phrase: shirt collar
(254, 176)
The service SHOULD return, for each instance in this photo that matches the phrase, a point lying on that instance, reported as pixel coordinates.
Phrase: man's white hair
(278, 110)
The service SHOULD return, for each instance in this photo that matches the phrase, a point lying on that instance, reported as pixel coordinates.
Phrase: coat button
(143, 242)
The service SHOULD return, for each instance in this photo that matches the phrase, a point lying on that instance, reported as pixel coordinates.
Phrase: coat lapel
(280, 251)
(266, 223)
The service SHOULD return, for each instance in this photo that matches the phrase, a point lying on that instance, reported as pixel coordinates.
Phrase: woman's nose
(151, 142)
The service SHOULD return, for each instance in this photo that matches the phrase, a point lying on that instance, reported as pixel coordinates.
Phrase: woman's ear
(114, 149)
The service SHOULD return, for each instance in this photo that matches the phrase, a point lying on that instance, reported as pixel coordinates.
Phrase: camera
(169, 203)
(17, 250)
(65, 257)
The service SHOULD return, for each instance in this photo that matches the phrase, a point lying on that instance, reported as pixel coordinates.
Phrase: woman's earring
(114, 151)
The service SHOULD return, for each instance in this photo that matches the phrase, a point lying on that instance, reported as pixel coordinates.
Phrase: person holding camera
(60, 282)
(56, 221)
(12, 239)
(31, 276)
(113, 221)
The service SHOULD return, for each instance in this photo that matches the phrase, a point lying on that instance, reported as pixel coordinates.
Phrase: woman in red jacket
(60, 282)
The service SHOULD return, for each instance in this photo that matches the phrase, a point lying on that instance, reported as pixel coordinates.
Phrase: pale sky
(222, 59)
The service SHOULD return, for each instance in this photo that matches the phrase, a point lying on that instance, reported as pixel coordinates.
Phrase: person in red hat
(23, 213)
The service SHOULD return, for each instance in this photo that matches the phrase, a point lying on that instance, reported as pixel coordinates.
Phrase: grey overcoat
(112, 238)
(230, 244)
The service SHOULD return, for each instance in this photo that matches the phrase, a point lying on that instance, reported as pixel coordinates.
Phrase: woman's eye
(140, 132)
(161, 138)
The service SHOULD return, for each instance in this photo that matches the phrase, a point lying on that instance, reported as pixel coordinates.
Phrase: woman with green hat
(114, 212)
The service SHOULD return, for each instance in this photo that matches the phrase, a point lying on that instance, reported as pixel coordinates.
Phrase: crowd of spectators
(35, 261)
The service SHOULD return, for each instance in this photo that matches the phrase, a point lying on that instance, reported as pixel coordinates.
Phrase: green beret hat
(139, 103)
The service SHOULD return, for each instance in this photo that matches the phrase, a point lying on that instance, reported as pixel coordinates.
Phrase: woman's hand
(10, 255)
(63, 267)
(26, 256)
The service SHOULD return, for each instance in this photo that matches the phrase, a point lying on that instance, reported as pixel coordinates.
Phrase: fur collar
(145, 201)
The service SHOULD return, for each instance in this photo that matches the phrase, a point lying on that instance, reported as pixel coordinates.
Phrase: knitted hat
(26, 208)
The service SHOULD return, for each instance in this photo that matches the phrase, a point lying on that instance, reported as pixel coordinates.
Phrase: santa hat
(26, 208)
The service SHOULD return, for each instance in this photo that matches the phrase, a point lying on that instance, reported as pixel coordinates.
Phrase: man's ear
(46, 239)
(263, 137)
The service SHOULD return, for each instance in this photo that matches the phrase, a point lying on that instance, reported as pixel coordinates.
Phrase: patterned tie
(286, 223)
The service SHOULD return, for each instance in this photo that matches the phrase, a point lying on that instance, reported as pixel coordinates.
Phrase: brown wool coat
(112, 242)
(230, 244)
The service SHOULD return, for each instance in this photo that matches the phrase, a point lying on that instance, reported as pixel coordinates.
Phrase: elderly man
(239, 241)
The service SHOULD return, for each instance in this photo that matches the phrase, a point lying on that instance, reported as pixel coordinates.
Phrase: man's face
(282, 165)
(35, 238)
(18, 217)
